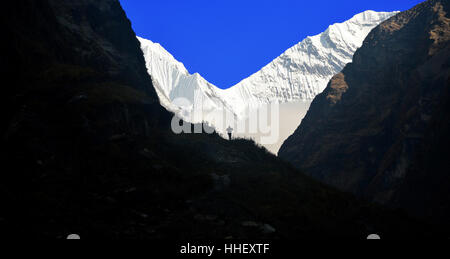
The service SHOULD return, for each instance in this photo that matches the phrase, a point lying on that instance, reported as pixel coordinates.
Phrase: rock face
(381, 127)
(80, 23)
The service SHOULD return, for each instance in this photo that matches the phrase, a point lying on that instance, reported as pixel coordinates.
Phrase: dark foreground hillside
(87, 149)
(381, 128)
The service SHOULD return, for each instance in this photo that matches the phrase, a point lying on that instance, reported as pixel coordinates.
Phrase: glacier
(295, 77)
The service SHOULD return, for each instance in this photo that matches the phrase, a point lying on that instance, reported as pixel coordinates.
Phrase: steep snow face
(179, 91)
(303, 71)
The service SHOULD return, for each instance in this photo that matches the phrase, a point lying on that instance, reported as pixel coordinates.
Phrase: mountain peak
(298, 75)
(371, 15)
(304, 70)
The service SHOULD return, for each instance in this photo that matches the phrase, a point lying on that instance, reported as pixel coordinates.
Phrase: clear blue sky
(228, 40)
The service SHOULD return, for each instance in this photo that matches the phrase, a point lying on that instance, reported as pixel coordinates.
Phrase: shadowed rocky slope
(381, 128)
(87, 149)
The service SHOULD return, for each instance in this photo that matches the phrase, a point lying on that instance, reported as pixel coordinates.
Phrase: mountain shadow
(381, 128)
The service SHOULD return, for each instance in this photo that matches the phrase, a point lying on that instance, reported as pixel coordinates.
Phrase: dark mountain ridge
(381, 128)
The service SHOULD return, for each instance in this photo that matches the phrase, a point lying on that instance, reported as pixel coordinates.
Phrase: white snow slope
(303, 71)
(299, 74)
(172, 80)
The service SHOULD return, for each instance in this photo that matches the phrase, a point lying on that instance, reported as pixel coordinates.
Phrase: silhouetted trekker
(230, 132)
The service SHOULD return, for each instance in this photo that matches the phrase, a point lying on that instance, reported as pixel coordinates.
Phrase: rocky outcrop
(46, 35)
(380, 129)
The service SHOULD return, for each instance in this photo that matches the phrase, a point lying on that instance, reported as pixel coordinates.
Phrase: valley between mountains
(292, 80)
(87, 145)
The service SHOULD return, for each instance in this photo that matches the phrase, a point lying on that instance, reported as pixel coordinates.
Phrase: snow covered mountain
(172, 81)
(298, 75)
(303, 71)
